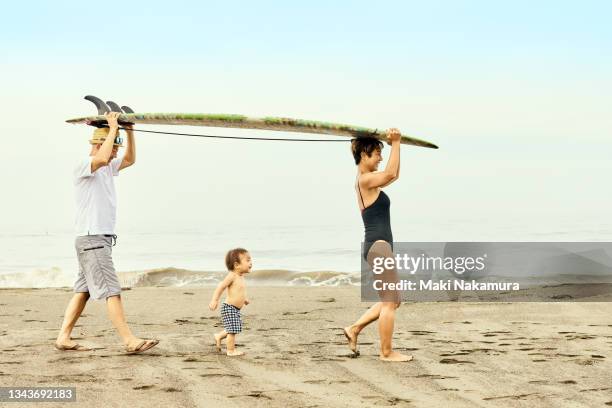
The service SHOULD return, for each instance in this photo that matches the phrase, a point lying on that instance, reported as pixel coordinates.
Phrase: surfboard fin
(100, 105)
(123, 109)
(114, 107)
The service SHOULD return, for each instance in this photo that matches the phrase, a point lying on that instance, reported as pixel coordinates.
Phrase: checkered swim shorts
(230, 316)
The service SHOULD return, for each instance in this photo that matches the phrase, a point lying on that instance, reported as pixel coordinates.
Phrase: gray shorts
(96, 270)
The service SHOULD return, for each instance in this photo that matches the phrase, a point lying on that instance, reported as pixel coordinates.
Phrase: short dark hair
(365, 145)
(233, 256)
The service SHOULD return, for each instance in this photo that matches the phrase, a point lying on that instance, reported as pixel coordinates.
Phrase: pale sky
(518, 96)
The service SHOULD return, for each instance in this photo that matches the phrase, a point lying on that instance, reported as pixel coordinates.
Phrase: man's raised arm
(130, 151)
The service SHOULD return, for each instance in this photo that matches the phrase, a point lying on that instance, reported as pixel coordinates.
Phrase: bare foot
(397, 357)
(235, 353)
(351, 336)
(218, 342)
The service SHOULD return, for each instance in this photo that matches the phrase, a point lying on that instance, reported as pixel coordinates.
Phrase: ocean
(296, 255)
(48, 259)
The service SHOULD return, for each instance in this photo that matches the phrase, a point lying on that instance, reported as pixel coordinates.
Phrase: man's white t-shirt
(96, 200)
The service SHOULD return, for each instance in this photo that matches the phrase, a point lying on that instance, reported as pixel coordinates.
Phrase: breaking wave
(175, 277)
(184, 277)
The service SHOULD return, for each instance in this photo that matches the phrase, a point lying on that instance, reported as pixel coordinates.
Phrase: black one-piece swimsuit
(376, 221)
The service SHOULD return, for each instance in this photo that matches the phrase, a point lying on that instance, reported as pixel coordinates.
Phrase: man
(95, 226)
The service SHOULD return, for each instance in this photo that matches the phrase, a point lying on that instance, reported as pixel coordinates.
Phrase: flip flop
(76, 347)
(142, 346)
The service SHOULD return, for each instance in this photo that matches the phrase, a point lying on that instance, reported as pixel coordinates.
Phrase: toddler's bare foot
(234, 353)
(395, 356)
(351, 336)
(218, 342)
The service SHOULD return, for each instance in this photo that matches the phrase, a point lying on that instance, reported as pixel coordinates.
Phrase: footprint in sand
(448, 341)
(220, 375)
(252, 394)
(525, 323)
(455, 361)
(397, 400)
(71, 378)
(347, 355)
(435, 377)
(584, 362)
(454, 354)
(314, 381)
(579, 336)
(326, 359)
(64, 360)
(143, 387)
(515, 397)
(421, 332)
(193, 360)
(596, 389)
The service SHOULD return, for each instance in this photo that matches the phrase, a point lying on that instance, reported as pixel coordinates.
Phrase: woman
(374, 205)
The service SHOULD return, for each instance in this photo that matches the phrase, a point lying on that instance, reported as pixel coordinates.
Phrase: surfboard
(239, 122)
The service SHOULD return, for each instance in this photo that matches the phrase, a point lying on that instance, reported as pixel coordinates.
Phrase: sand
(465, 354)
